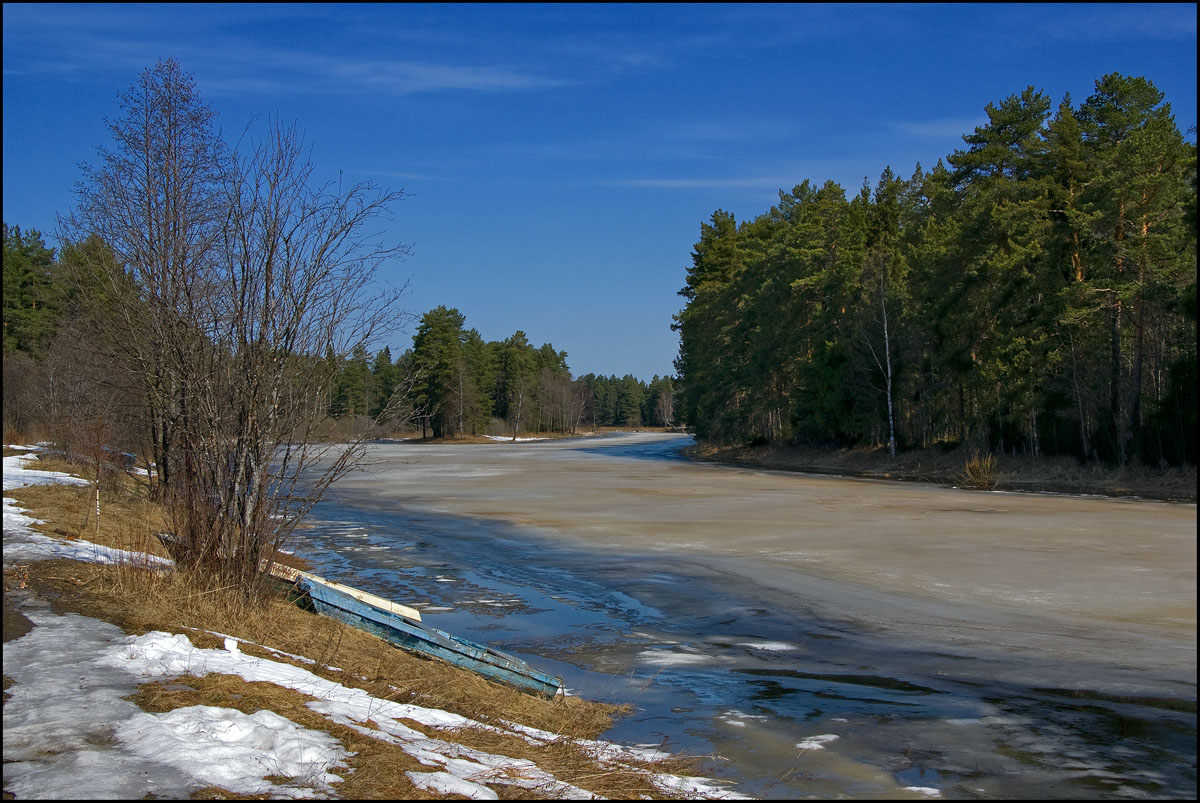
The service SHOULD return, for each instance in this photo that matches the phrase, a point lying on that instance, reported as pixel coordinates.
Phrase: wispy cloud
(764, 178)
(1099, 22)
(942, 128)
(298, 73)
(702, 183)
(230, 57)
(690, 141)
(404, 77)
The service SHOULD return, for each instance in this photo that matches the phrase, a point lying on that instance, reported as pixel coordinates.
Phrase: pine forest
(1034, 292)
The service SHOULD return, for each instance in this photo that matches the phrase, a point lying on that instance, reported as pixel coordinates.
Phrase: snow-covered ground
(510, 438)
(68, 732)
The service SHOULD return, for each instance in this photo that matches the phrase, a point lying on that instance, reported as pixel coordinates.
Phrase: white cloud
(942, 128)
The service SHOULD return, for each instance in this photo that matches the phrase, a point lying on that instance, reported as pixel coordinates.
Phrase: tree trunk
(1114, 394)
(887, 351)
(1134, 403)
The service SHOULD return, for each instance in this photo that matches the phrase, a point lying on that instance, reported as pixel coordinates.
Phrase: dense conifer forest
(457, 383)
(1035, 292)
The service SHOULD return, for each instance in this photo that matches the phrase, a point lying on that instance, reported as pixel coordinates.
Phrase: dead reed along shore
(964, 469)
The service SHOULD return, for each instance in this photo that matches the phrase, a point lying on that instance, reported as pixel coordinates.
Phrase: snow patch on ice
(817, 742)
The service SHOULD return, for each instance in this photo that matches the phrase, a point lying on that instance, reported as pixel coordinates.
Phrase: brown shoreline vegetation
(582, 432)
(139, 601)
(963, 469)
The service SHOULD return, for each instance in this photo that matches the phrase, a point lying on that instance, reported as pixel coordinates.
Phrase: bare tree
(665, 406)
(84, 404)
(242, 286)
(155, 200)
(297, 281)
(583, 400)
(24, 410)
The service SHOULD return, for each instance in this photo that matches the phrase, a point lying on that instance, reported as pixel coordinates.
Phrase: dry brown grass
(979, 473)
(128, 520)
(139, 600)
(946, 467)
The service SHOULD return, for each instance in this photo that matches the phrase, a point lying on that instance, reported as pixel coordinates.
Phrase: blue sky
(559, 160)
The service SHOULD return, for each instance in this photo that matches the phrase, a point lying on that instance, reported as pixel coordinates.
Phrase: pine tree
(385, 378)
(1141, 163)
(32, 291)
(439, 365)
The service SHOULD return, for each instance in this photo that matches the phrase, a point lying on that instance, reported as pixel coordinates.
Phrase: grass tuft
(980, 472)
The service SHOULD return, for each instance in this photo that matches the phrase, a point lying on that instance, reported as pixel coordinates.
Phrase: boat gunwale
(524, 676)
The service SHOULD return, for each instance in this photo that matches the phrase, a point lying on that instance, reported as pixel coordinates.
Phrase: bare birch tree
(240, 287)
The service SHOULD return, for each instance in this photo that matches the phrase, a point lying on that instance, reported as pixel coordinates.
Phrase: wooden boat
(294, 576)
(402, 626)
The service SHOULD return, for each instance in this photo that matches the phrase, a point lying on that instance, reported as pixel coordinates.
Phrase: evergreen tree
(440, 366)
(355, 383)
(631, 394)
(1136, 198)
(476, 375)
(385, 378)
(1006, 219)
(517, 376)
(32, 291)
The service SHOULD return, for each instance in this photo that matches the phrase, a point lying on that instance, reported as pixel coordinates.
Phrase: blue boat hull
(413, 635)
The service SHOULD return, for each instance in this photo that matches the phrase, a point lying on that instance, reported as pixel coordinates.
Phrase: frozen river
(822, 636)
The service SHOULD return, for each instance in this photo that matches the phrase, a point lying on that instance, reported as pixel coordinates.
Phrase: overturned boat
(402, 626)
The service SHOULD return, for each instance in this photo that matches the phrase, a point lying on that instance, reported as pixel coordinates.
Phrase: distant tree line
(450, 383)
(1035, 294)
(459, 384)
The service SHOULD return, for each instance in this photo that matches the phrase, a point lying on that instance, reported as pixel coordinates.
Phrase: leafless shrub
(236, 288)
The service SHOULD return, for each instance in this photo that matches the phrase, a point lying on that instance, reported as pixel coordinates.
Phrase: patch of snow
(817, 742)
(510, 439)
(224, 747)
(18, 472)
(925, 790)
(446, 784)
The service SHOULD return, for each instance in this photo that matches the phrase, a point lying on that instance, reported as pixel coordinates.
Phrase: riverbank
(125, 682)
(950, 468)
